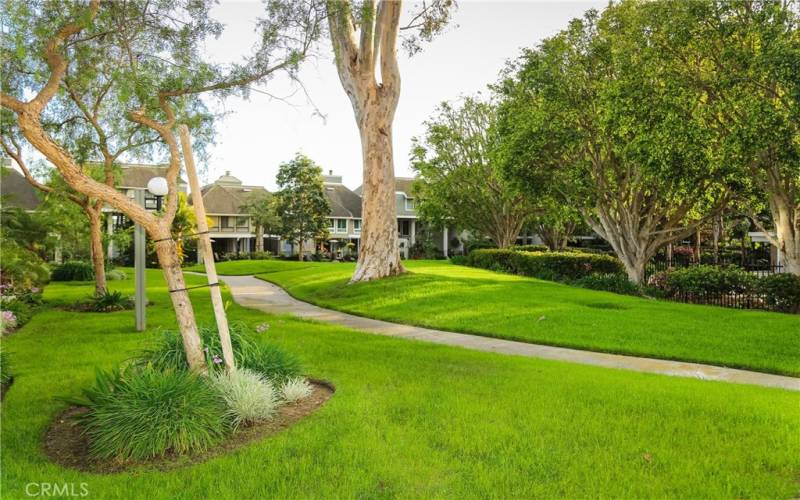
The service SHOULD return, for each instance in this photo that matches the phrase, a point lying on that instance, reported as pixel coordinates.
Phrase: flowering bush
(250, 397)
(8, 321)
(295, 389)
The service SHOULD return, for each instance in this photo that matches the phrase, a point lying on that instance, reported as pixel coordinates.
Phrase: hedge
(557, 266)
(709, 279)
(781, 291)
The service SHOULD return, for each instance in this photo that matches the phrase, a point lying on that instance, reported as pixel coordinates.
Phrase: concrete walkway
(258, 294)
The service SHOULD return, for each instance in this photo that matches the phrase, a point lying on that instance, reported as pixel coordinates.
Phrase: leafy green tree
(459, 179)
(301, 201)
(744, 57)
(604, 107)
(262, 210)
(143, 56)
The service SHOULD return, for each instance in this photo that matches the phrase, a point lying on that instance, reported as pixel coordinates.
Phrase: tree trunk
(170, 263)
(787, 232)
(380, 253)
(259, 238)
(300, 249)
(96, 246)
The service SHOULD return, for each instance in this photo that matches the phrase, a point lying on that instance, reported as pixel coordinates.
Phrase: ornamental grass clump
(249, 396)
(139, 414)
(295, 389)
(272, 362)
(167, 353)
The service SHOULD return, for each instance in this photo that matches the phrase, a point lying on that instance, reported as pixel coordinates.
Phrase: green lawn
(414, 419)
(441, 295)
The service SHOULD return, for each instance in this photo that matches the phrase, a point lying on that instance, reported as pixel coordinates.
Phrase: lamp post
(158, 187)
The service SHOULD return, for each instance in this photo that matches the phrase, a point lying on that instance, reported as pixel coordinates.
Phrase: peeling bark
(98, 255)
(374, 105)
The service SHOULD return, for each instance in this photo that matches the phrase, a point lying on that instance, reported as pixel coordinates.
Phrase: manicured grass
(419, 420)
(441, 295)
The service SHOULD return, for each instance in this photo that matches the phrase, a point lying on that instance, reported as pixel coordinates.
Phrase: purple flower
(217, 360)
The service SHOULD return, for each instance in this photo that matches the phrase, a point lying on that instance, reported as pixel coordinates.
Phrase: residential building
(344, 221)
(16, 191)
(231, 228)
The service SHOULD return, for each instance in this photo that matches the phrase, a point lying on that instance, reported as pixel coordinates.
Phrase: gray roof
(137, 175)
(219, 199)
(401, 185)
(16, 191)
(343, 202)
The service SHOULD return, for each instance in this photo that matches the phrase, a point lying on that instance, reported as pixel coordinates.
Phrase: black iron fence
(757, 268)
(751, 299)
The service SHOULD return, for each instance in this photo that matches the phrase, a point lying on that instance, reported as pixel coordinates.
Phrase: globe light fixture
(158, 186)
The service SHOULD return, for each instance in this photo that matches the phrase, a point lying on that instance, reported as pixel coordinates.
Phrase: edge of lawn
(580, 347)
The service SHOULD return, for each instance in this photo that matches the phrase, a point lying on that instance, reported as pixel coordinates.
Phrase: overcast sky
(258, 134)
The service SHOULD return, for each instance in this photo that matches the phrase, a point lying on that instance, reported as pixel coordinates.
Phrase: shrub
(260, 255)
(476, 244)
(269, 360)
(559, 266)
(459, 260)
(73, 271)
(8, 321)
(295, 389)
(709, 279)
(781, 291)
(617, 283)
(530, 248)
(249, 396)
(272, 362)
(21, 310)
(141, 414)
(116, 275)
(5, 367)
(110, 301)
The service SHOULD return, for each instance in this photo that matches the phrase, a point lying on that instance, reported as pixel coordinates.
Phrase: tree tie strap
(193, 287)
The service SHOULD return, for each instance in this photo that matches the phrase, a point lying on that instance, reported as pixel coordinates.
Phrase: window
(341, 225)
(214, 222)
(410, 204)
(331, 225)
(404, 227)
(242, 222)
(357, 226)
(225, 222)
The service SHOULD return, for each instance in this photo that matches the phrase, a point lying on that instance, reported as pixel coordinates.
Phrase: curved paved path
(258, 294)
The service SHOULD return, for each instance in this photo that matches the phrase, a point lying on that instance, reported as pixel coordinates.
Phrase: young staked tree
(603, 106)
(157, 73)
(459, 177)
(301, 201)
(261, 209)
(364, 35)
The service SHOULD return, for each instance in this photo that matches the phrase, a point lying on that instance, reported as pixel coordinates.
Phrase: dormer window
(410, 204)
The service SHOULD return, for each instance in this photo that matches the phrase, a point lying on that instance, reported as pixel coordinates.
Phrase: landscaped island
(440, 295)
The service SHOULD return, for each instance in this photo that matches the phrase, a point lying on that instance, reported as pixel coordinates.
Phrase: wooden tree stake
(204, 246)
